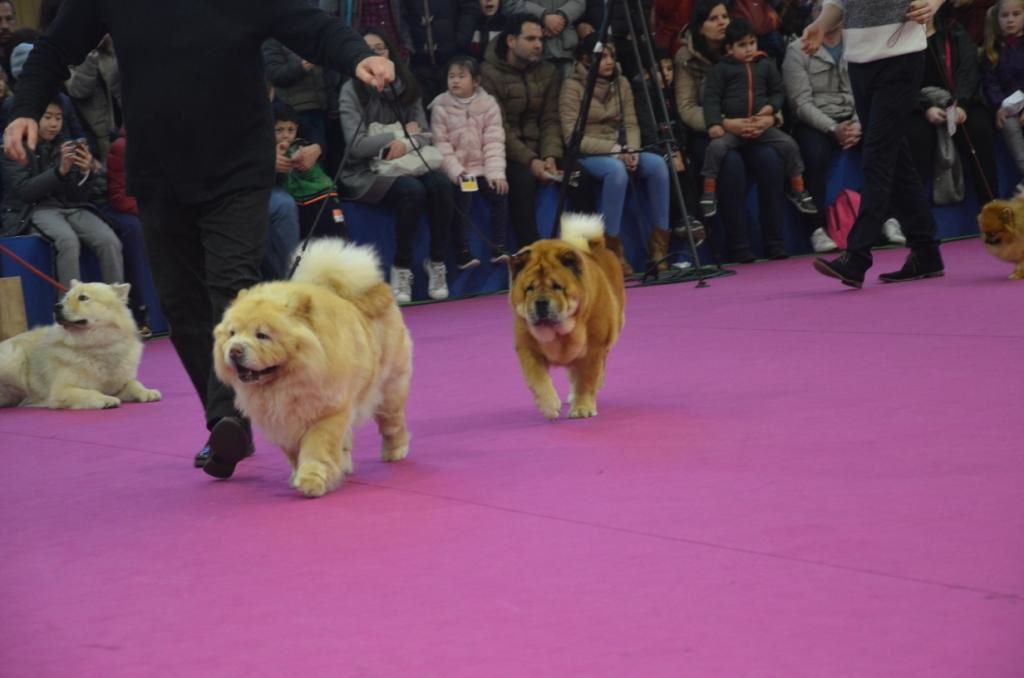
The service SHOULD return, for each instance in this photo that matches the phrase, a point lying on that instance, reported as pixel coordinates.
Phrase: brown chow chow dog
(570, 303)
(312, 357)
(1002, 229)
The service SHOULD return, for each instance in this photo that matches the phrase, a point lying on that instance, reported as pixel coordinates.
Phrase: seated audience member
(611, 150)
(122, 213)
(651, 138)
(304, 179)
(1002, 70)
(825, 120)
(304, 86)
(557, 18)
(440, 29)
(952, 84)
(744, 83)
(467, 127)
(53, 194)
(72, 127)
(412, 196)
(490, 24)
(526, 89)
(703, 46)
(95, 90)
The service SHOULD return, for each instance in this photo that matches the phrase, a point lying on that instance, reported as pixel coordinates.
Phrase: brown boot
(615, 245)
(659, 247)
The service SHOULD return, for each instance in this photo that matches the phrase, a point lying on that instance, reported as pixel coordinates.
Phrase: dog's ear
(1006, 217)
(571, 260)
(121, 290)
(301, 305)
(517, 262)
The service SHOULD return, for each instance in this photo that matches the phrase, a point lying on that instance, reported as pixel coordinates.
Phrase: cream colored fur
(88, 360)
(327, 351)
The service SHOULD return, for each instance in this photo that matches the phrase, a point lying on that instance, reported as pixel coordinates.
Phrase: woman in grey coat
(411, 196)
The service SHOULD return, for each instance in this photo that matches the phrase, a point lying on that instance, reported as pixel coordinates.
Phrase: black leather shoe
(230, 442)
(848, 269)
(919, 265)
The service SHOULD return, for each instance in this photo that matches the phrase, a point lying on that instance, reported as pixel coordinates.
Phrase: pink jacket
(470, 136)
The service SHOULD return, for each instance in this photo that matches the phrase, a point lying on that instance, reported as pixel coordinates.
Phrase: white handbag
(409, 165)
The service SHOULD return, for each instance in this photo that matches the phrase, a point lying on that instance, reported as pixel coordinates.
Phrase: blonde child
(1002, 71)
(468, 130)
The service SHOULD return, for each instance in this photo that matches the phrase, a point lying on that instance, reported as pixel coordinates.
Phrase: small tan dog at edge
(1002, 230)
(311, 357)
(87, 360)
(569, 300)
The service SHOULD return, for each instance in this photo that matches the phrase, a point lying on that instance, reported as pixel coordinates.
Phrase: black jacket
(739, 90)
(440, 28)
(195, 99)
(37, 184)
(966, 85)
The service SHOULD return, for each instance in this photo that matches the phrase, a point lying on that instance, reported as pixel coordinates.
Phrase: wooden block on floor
(12, 308)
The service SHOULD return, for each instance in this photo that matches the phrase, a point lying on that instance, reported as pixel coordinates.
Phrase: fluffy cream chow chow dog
(311, 357)
(87, 360)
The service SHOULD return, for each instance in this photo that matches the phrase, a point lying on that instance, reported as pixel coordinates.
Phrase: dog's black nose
(236, 353)
(57, 308)
(542, 307)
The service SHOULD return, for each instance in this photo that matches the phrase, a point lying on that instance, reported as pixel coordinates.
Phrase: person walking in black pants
(886, 61)
(201, 157)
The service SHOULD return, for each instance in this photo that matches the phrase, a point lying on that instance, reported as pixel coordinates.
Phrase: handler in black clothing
(201, 157)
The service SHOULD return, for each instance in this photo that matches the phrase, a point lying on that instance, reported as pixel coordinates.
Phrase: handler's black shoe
(230, 442)
(846, 267)
(919, 264)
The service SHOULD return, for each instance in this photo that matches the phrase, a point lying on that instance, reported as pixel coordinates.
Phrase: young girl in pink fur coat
(468, 130)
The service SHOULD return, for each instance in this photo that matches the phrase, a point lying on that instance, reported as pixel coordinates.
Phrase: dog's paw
(583, 410)
(551, 408)
(395, 454)
(1016, 275)
(97, 401)
(149, 395)
(310, 482)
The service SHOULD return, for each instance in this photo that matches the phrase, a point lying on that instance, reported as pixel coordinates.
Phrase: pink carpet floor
(787, 478)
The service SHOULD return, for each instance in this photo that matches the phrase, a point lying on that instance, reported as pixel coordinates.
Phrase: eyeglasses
(382, 50)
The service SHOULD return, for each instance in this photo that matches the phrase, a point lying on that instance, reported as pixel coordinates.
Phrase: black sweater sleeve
(73, 34)
(316, 36)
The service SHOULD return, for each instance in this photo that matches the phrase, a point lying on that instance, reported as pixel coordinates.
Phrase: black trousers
(817, 149)
(922, 137)
(201, 256)
(431, 193)
(885, 93)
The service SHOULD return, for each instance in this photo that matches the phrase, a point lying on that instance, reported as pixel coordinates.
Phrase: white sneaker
(401, 284)
(821, 242)
(437, 282)
(893, 233)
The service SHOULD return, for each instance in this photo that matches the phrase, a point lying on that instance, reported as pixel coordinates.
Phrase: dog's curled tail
(586, 231)
(351, 271)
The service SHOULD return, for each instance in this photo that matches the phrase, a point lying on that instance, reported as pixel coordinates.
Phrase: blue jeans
(283, 236)
(652, 173)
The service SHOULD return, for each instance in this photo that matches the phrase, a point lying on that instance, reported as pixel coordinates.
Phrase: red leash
(33, 269)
